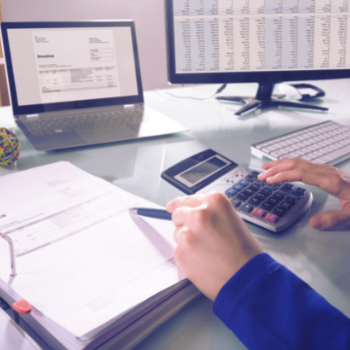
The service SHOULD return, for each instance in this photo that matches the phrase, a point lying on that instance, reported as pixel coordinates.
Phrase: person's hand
(213, 241)
(330, 179)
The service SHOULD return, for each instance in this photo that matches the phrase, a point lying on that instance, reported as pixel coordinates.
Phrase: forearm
(268, 307)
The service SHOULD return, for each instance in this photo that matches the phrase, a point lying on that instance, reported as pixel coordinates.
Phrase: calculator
(273, 207)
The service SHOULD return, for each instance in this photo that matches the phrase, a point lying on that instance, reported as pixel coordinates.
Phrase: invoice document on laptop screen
(53, 65)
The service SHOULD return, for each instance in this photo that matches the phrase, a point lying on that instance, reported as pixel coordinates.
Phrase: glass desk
(320, 258)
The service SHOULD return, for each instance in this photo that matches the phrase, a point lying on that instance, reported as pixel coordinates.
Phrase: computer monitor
(262, 41)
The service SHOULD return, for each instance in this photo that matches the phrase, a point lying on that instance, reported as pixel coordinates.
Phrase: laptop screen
(62, 66)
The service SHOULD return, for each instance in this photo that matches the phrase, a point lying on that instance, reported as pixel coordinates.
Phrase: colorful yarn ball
(9, 147)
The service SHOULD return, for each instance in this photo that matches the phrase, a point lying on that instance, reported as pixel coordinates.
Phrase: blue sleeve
(268, 307)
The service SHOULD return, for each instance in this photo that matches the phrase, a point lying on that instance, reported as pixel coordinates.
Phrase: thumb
(331, 219)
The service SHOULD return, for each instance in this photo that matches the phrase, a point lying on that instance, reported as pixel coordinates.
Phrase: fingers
(189, 201)
(285, 164)
(307, 176)
(331, 219)
(180, 215)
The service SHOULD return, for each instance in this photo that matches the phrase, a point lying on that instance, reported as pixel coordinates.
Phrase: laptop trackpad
(107, 134)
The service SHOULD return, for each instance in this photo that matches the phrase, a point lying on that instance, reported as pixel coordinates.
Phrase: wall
(147, 14)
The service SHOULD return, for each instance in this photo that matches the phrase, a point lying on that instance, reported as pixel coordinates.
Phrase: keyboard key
(242, 196)
(279, 211)
(259, 212)
(236, 202)
(247, 208)
(272, 218)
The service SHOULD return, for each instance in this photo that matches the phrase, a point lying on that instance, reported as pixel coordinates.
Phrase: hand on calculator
(330, 179)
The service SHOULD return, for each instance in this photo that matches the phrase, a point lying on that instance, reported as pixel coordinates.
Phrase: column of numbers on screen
(261, 35)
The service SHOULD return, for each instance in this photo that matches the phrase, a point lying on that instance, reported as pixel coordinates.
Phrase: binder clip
(21, 307)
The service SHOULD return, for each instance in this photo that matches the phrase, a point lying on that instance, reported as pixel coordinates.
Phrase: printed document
(82, 258)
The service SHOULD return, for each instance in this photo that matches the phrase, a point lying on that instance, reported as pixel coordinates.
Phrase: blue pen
(152, 213)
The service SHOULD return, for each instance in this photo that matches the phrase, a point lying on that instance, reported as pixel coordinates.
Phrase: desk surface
(321, 258)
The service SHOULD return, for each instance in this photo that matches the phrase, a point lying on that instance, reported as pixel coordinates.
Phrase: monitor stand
(265, 99)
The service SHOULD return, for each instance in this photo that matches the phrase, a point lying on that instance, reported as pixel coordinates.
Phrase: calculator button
(250, 178)
(288, 186)
(244, 183)
(279, 211)
(238, 187)
(278, 196)
(254, 187)
(300, 190)
(260, 183)
(292, 192)
(236, 202)
(273, 200)
(259, 212)
(230, 192)
(266, 191)
(273, 187)
(255, 173)
(267, 206)
(272, 218)
(242, 196)
(247, 207)
(255, 201)
(286, 205)
(291, 201)
(261, 196)
(249, 191)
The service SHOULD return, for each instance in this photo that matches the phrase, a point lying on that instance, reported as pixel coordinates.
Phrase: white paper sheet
(82, 258)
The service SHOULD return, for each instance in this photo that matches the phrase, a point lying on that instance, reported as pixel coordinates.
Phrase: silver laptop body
(78, 83)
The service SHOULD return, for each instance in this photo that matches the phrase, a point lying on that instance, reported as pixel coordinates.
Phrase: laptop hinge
(129, 106)
(32, 116)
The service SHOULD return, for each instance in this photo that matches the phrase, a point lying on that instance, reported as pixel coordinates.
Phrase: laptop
(78, 83)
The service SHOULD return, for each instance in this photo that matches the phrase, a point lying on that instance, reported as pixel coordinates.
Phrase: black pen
(152, 213)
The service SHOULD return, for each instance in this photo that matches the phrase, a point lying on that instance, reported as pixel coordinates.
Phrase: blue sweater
(268, 307)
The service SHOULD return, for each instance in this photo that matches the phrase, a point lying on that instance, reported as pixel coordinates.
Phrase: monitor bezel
(71, 105)
(266, 77)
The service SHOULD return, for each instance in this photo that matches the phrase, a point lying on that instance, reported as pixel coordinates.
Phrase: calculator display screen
(203, 170)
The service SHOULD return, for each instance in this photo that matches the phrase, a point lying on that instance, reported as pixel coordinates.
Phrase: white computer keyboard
(325, 143)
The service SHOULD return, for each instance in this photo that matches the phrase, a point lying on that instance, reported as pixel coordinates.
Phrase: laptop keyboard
(52, 125)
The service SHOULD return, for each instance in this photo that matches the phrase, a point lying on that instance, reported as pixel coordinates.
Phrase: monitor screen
(257, 41)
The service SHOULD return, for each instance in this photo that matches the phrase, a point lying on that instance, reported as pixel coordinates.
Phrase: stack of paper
(95, 275)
